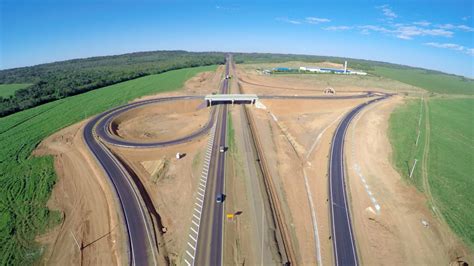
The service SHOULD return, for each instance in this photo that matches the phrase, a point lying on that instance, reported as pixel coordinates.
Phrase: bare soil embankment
(84, 196)
(86, 199)
(405, 231)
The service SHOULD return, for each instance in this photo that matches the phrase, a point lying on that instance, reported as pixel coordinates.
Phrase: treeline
(58, 80)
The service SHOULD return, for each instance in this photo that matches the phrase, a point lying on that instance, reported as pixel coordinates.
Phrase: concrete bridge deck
(231, 99)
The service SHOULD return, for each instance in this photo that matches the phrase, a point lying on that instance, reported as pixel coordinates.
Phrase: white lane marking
(313, 218)
(190, 254)
(201, 192)
(356, 167)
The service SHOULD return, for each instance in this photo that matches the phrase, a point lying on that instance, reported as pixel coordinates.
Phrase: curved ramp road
(138, 228)
(104, 132)
(345, 252)
(317, 97)
(140, 234)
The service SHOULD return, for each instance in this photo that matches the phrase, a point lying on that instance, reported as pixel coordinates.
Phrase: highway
(139, 232)
(104, 132)
(141, 240)
(344, 248)
(209, 245)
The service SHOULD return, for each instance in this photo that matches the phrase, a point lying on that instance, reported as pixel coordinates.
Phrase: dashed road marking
(189, 253)
(196, 218)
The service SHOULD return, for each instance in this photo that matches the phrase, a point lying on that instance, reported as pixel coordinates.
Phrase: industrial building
(333, 70)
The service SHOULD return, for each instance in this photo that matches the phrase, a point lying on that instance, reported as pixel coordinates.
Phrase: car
(220, 198)
(222, 149)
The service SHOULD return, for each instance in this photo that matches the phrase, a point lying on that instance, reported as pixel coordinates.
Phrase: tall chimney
(345, 66)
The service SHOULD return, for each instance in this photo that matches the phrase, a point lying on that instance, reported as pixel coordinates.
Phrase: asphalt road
(140, 235)
(209, 247)
(103, 129)
(318, 97)
(344, 247)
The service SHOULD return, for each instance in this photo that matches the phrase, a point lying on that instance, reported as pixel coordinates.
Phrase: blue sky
(432, 34)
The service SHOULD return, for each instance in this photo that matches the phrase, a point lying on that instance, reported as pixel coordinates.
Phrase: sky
(430, 34)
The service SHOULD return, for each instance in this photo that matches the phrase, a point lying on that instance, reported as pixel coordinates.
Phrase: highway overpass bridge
(214, 99)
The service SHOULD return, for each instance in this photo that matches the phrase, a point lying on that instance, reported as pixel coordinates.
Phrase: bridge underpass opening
(216, 99)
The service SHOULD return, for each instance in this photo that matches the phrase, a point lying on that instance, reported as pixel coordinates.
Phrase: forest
(58, 80)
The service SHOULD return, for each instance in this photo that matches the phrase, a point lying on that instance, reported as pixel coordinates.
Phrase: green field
(450, 161)
(429, 80)
(9, 89)
(403, 133)
(26, 181)
(230, 132)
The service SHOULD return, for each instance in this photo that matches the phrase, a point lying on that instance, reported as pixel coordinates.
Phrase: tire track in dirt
(425, 163)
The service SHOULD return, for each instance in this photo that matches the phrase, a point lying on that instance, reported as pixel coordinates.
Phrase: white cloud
(405, 32)
(309, 20)
(227, 8)
(337, 28)
(374, 28)
(387, 12)
(314, 20)
(287, 20)
(456, 27)
(452, 46)
(422, 23)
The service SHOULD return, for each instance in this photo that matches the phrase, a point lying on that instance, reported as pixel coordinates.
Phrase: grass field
(26, 181)
(429, 80)
(450, 161)
(403, 132)
(230, 132)
(9, 89)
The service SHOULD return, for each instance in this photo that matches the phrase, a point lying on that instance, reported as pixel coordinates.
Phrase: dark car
(220, 198)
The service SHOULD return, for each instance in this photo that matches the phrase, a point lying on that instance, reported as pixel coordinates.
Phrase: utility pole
(75, 240)
(413, 168)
